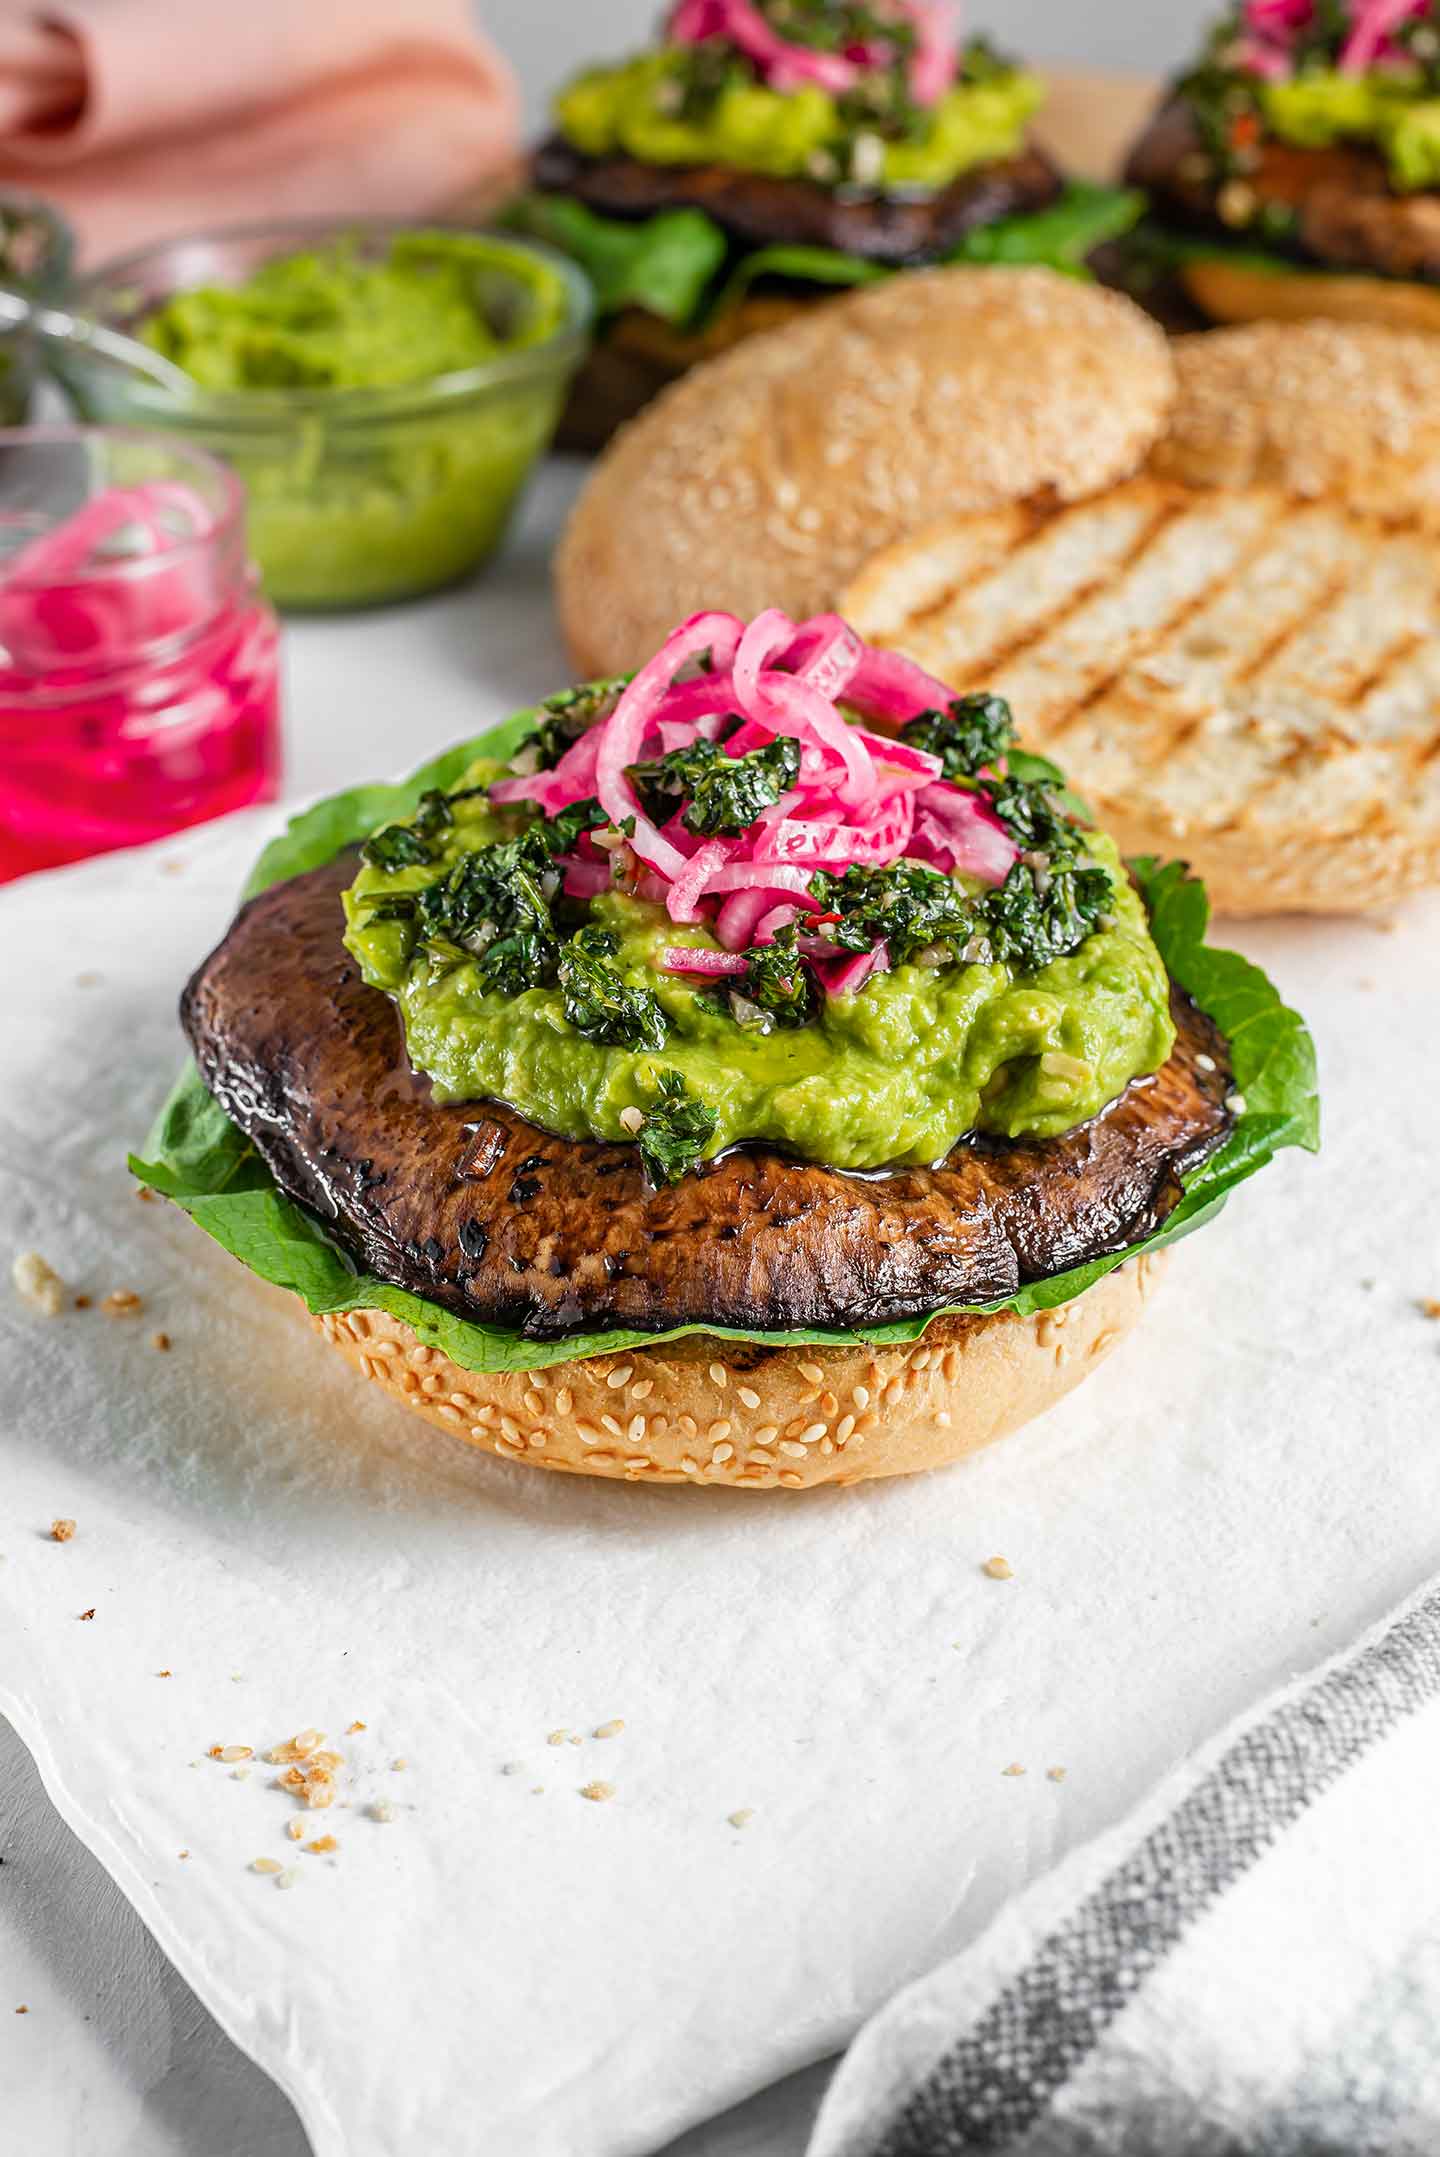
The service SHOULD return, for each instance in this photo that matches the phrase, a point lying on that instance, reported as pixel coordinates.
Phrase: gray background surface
(545, 38)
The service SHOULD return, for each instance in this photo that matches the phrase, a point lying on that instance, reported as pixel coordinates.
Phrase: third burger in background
(768, 153)
(1294, 170)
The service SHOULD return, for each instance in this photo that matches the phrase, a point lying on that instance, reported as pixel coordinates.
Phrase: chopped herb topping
(913, 907)
(971, 734)
(775, 988)
(675, 1132)
(598, 1001)
(563, 718)
(410, 846)
(725, 795)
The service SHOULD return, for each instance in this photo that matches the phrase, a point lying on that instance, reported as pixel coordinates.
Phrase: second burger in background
(767, 153)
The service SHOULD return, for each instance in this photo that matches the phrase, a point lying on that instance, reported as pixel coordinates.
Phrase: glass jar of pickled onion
(139, 675)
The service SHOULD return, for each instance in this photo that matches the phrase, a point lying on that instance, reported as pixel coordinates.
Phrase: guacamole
(794, 134)
(356, 499)
(894, 1073)
(1392, 109)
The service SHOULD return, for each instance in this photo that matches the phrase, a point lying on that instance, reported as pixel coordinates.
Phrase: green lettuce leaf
(663, 264)
(196, 1157)
(667, 264)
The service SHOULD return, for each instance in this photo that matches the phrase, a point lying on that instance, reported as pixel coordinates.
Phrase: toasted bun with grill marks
(1322, 409)
(743, 1416)
(1233, 292)
(766, 477)
(1242, 677)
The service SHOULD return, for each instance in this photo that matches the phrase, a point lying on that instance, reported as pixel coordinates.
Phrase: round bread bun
(1346, 411)
(1231, 292)
(746, 1417)
(1231, 676)
(765, 477)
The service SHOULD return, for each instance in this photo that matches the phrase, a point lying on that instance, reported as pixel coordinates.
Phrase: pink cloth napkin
(140, 118)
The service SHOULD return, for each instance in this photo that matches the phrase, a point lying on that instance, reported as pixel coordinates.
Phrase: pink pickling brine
(139, 669)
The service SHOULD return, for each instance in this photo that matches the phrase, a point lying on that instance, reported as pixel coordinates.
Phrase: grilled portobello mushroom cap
(758, 211)
(477, 1210)
(1347, 214)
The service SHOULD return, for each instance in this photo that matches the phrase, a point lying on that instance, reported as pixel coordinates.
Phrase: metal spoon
(56, 326)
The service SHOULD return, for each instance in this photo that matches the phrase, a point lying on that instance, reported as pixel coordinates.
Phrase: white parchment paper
(502, 1965)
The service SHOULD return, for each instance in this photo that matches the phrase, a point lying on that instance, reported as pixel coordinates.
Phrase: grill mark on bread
(1254, 665)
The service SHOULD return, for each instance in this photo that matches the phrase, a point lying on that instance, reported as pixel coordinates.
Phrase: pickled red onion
(685, 959)
(786, 66)
(623, 733)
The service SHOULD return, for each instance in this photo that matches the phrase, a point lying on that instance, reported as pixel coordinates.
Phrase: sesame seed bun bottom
(1234, 293)
(746, 1417)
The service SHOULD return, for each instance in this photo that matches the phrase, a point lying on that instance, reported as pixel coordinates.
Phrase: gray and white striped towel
(1251, 1963)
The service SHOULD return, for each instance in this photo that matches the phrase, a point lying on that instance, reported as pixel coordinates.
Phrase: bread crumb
(1013, 1769)
(144, 1193)
(513, 1767)
(558, 1737)
(1430, 1306)
(82, 1303)
(62, 1531)
(998, 1569)
(1056, 1775)
(87, 1615)
(350, 1732)
(287, 1878)
(265, 1864)
(322, 1845)
(295, 1829)
(609, 1730)
(597, 1792)
(160, 1341)
(743, 1817)
(299, 1747)
(122, 1303)
(164, 1673)
(22, 2010)
(38, 1284)
(382, 1810)
(230, 1753)
(398, 1767)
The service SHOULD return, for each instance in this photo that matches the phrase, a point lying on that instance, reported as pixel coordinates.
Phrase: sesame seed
(597, 1792)
(721, 1454)
(265, 1864)
(829, 1405)
(688, 1427)
(793, 1447)
(642, 1389)
(534, 1406)
(998, 1568)
(749, 1397)
(742, 1817)
(689, 1466)
(632, 1120)
(767, 1434)
(718, 1430)
(793, 1481)
(587, 1434)
(861, 1397)
(843, 1429)
(609, 1424)
(811, 1432)
(287, 1878)
(719, 1375)
(229, 1753)
(1056, 1775)
(637, 1460)
(1205, 1063)
(620, 1376)
(564, 1401)
(813, 1372)
(1013, 1769)
(611, 1729)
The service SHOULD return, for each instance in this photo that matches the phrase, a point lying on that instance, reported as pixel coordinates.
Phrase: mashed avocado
(349, 508)
(785, 136)
(896, 1073)
(1324, 106)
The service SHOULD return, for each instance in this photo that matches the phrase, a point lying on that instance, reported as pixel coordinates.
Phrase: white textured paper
(508, 1967)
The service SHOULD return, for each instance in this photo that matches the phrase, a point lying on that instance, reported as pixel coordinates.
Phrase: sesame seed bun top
(767, 476)
(1347, 411)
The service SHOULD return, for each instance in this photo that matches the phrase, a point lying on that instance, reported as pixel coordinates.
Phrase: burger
(1294, 171)
(758, 1073)
(765, 154)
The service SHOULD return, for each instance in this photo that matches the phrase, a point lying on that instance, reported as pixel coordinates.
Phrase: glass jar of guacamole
(383, 390)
